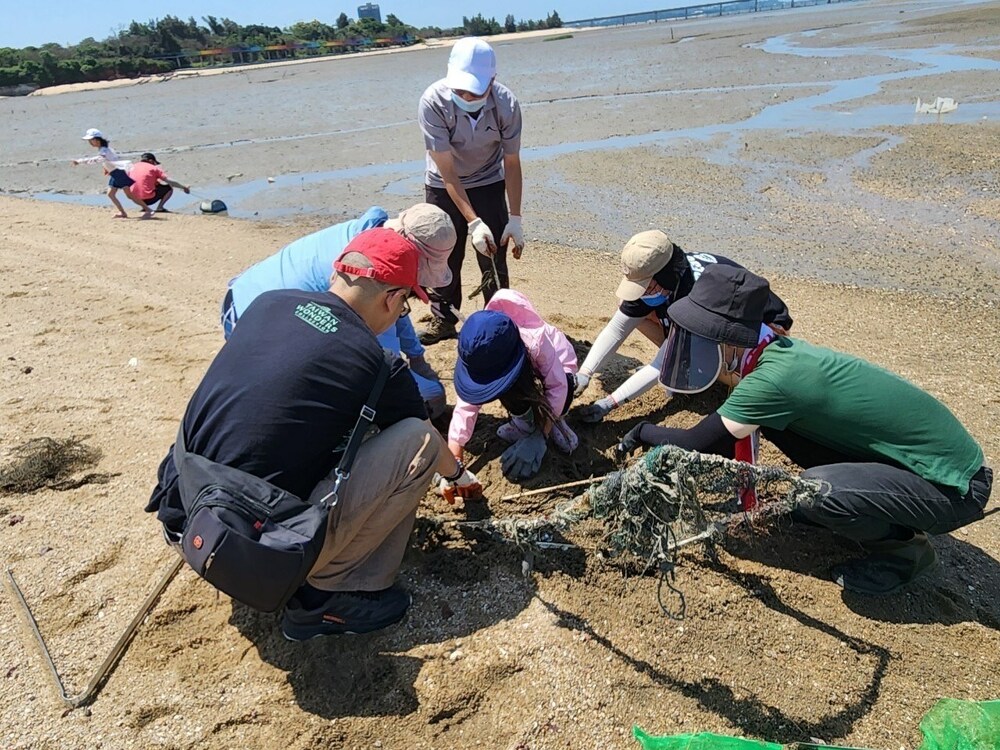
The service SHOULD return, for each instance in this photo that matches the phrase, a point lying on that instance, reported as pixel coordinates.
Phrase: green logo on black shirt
(318, 316)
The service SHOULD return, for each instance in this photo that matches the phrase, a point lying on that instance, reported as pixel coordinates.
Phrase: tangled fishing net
(47, 462)
(671, 495)
(666, 499)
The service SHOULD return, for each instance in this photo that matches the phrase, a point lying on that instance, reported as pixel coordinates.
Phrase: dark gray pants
(490, 205)
(868, 502)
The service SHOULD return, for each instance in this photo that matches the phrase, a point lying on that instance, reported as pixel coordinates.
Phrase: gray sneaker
(438, 329)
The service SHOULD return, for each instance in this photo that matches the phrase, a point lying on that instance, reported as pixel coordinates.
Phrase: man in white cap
(472, 130)
(307, 263)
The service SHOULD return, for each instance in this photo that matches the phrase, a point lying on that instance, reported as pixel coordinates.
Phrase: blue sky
(69, 21)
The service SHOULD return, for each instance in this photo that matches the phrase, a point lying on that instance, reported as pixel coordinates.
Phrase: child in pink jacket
(507, 352)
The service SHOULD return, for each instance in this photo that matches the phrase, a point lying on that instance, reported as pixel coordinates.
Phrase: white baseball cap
(471, 65)
(93, 133)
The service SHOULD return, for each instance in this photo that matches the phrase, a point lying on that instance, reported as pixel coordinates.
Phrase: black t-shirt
(678, 277)
(282, 395)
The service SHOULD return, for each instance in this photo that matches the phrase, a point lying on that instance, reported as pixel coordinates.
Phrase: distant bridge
(725, 8)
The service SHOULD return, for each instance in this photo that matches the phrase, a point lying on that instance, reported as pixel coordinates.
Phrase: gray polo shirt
(477, 143)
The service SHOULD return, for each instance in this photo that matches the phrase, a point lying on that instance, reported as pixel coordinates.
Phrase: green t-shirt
(852, 406)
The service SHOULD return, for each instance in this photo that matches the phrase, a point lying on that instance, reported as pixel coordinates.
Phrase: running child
(115, 168)
(507, 352)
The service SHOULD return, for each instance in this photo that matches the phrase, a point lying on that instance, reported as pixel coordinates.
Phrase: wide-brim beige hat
(432, 231)
(642, 257)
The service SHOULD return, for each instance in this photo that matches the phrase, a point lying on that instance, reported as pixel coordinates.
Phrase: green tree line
(165, 44)
(479, 26)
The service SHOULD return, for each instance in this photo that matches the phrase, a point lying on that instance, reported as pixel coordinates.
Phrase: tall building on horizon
(370, 10)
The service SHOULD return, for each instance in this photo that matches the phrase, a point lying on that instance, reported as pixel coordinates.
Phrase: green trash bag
(709, 741)
(961, 725)
(700, 741)
(950, 725)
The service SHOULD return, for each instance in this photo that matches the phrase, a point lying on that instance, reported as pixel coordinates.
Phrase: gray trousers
(370, 525)
(873, 502)
(869, 502)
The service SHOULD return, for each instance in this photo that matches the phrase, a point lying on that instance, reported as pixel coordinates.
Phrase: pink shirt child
(549, 352)
(146, 177)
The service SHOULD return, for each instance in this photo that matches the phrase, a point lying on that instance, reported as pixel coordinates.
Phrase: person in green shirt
(893, 463)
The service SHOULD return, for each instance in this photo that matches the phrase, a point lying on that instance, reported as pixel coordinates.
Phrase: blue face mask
(654, 300)
(471, 107)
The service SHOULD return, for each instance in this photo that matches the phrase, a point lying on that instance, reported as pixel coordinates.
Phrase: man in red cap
(279, 401)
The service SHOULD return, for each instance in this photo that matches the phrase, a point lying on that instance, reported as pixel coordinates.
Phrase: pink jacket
(549, 352)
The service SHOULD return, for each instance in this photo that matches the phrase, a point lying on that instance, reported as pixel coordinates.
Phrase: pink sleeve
(547, 364)
(463, 422)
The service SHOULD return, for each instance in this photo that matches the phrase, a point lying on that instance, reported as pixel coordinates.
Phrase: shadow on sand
(461, 584)
(753, 715)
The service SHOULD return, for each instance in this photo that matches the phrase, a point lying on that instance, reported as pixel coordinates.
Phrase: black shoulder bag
(252, 540)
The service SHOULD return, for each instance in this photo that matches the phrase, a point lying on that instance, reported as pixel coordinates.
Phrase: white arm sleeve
(608, 340)
(642, 380)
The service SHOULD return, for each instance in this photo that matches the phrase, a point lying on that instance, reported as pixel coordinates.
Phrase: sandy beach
(879, 230)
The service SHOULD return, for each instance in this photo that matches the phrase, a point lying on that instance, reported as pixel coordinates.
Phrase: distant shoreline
(184, 73)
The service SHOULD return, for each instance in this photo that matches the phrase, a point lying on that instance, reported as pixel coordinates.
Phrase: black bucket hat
(726, 305)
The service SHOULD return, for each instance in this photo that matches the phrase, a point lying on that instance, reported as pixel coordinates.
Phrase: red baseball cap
(394, 259)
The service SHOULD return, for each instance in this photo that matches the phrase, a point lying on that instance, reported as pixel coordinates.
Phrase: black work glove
(630, 442)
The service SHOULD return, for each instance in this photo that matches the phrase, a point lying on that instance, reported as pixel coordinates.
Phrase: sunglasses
(406, 300)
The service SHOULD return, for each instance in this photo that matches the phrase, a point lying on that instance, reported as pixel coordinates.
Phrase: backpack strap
(365, 419)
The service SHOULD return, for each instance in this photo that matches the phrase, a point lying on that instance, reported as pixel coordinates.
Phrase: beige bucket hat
(431, 230)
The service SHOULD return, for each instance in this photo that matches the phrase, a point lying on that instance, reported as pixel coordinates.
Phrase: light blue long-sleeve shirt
(307, 264)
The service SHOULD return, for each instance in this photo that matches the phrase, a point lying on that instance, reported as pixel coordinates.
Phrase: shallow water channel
(827, 111)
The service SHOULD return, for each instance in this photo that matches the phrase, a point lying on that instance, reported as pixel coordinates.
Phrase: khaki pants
(371, 524)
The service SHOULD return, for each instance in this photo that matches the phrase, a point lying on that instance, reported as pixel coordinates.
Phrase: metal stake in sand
(96, 682)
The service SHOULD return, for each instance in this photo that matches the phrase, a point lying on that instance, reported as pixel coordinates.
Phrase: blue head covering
(490, 357)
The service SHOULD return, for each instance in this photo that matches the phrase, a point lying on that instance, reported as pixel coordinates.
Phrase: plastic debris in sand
(213, 207)
(939, 106)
